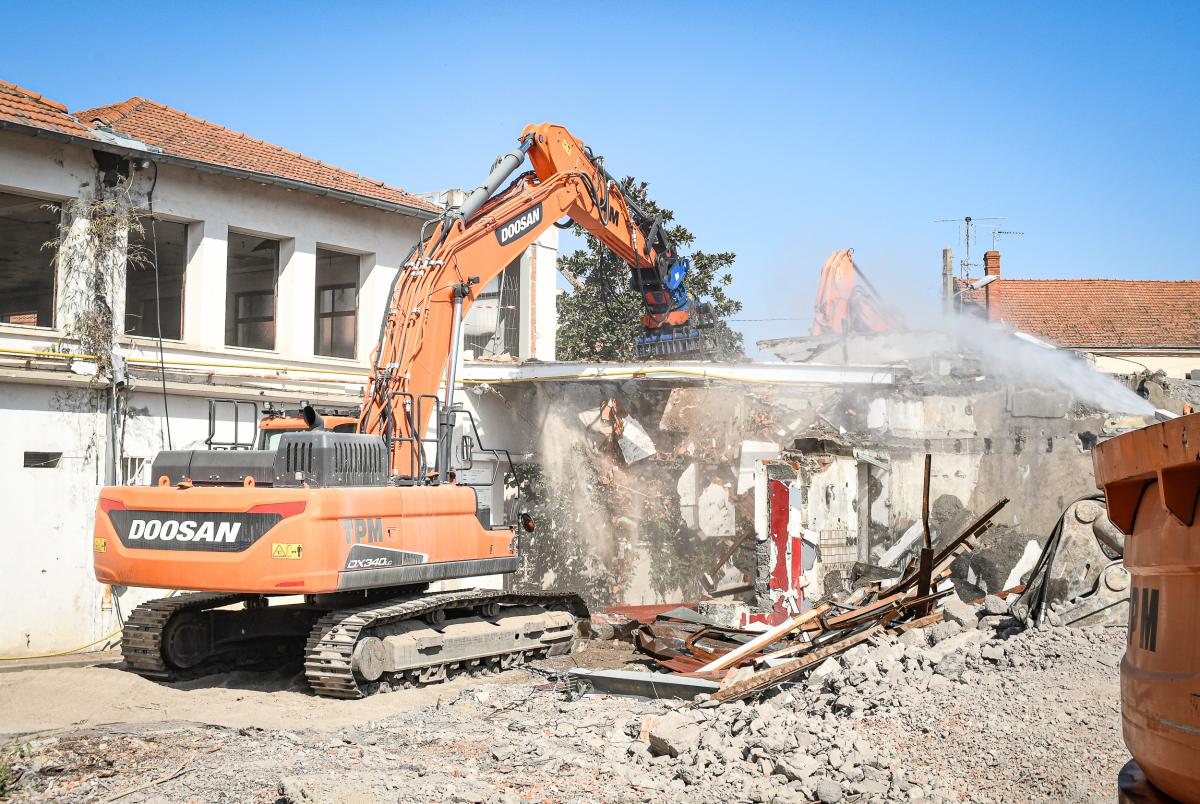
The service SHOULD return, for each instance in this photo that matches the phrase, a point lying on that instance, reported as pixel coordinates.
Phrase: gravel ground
(953, 715)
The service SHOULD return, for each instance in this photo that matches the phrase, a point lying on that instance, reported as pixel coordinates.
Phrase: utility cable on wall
(162, 366)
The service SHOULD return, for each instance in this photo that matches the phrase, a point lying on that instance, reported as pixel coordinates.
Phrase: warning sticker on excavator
(99, 544)
(286, 550)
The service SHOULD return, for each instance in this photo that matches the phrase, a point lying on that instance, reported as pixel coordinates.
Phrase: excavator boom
(469, 245)
(847, 301)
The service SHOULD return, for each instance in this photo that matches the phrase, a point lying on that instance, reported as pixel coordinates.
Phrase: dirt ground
(1041, 724)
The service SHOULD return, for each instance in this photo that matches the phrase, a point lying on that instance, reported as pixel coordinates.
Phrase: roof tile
(180, 134)
(18, 105)
(1099, 312)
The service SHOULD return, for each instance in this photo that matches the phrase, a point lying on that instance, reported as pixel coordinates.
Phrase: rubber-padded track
(327, 656)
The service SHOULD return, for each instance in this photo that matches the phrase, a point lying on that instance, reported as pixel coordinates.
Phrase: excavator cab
(276, 421)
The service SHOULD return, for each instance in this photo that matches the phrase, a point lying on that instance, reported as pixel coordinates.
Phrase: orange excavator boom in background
(362, 523)
(847, 301)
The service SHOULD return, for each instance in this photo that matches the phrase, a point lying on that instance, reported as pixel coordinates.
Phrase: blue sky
(779, 131)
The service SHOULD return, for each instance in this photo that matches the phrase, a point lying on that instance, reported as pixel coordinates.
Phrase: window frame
(187, 234)
(276, 272)
(60, 204)
(238, 320)
(332, 314)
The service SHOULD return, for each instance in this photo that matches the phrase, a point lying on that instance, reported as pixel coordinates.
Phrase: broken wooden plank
(921, 622)
(783, 672)
(950, 550)
(766, 638)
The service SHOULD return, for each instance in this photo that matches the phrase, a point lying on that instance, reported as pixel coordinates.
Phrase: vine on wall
(92, 250)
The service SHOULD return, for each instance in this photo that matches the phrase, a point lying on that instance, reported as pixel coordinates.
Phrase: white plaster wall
(833, 510)
(1176, 366)
(47, 596)
(49, 593)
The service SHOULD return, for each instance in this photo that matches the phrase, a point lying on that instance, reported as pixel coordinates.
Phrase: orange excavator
(847, 301)
(360, 524)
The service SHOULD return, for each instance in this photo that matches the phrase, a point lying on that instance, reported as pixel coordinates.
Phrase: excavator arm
(847, 301)
(468, 245)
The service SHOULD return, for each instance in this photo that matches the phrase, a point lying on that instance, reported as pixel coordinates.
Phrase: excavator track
(333, 635)
(329, 663)
(141, 640)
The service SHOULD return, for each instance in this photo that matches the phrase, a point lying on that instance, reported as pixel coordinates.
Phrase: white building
(273, 271)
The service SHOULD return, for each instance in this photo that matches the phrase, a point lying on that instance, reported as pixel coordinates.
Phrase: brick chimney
(991, 293)
(991, 263)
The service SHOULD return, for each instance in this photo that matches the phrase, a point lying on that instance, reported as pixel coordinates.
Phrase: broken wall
(641, 488)
(634, 485)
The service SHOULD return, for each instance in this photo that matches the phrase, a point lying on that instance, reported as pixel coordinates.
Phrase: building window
(26, 264)
(42, 460)
(253, 270)
(337, 303)
(492, 327)
(150, 294)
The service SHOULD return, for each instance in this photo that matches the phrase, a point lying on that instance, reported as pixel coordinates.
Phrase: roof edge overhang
(210, 167)
(1157, 349)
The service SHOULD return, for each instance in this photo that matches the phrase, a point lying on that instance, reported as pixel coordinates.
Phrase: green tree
(601, 316)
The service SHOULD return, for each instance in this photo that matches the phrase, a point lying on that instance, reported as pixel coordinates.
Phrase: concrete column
(373, 300)
(204, 284)
(539, 319)
(73, 267)
(374, 282)
(296, 298)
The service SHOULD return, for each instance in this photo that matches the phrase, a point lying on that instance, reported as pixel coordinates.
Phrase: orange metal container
(1151, 478)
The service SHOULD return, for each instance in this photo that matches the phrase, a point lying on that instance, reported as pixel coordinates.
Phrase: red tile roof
(179, 134)
(27, 108)
(1098, 312)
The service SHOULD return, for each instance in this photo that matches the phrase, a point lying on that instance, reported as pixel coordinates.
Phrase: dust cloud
(1025, 363)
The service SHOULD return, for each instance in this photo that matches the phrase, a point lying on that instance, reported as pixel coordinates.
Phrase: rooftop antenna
(996, 232)
(968, 232)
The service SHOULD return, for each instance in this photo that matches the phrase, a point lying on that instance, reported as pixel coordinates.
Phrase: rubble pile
(840, 734)
(745, 663)
(970, 710)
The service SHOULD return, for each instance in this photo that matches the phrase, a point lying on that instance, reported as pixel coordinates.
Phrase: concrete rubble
(992, 713)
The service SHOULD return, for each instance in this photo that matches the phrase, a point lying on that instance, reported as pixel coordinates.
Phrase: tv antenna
(997, 232)
(968, 224)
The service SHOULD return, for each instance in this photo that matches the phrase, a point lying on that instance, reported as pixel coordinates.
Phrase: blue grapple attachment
(671, 327)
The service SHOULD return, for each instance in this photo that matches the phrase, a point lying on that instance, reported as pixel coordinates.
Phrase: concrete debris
(635, 443)
(944, 630)
(994, 605)
(723, 612)
(676, 733)
(956, 611)
(892, 556)
(808, 644)
(894, 723)
(715, 512)
(751, 454)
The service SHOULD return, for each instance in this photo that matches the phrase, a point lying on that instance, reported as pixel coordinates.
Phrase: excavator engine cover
(318, 459)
